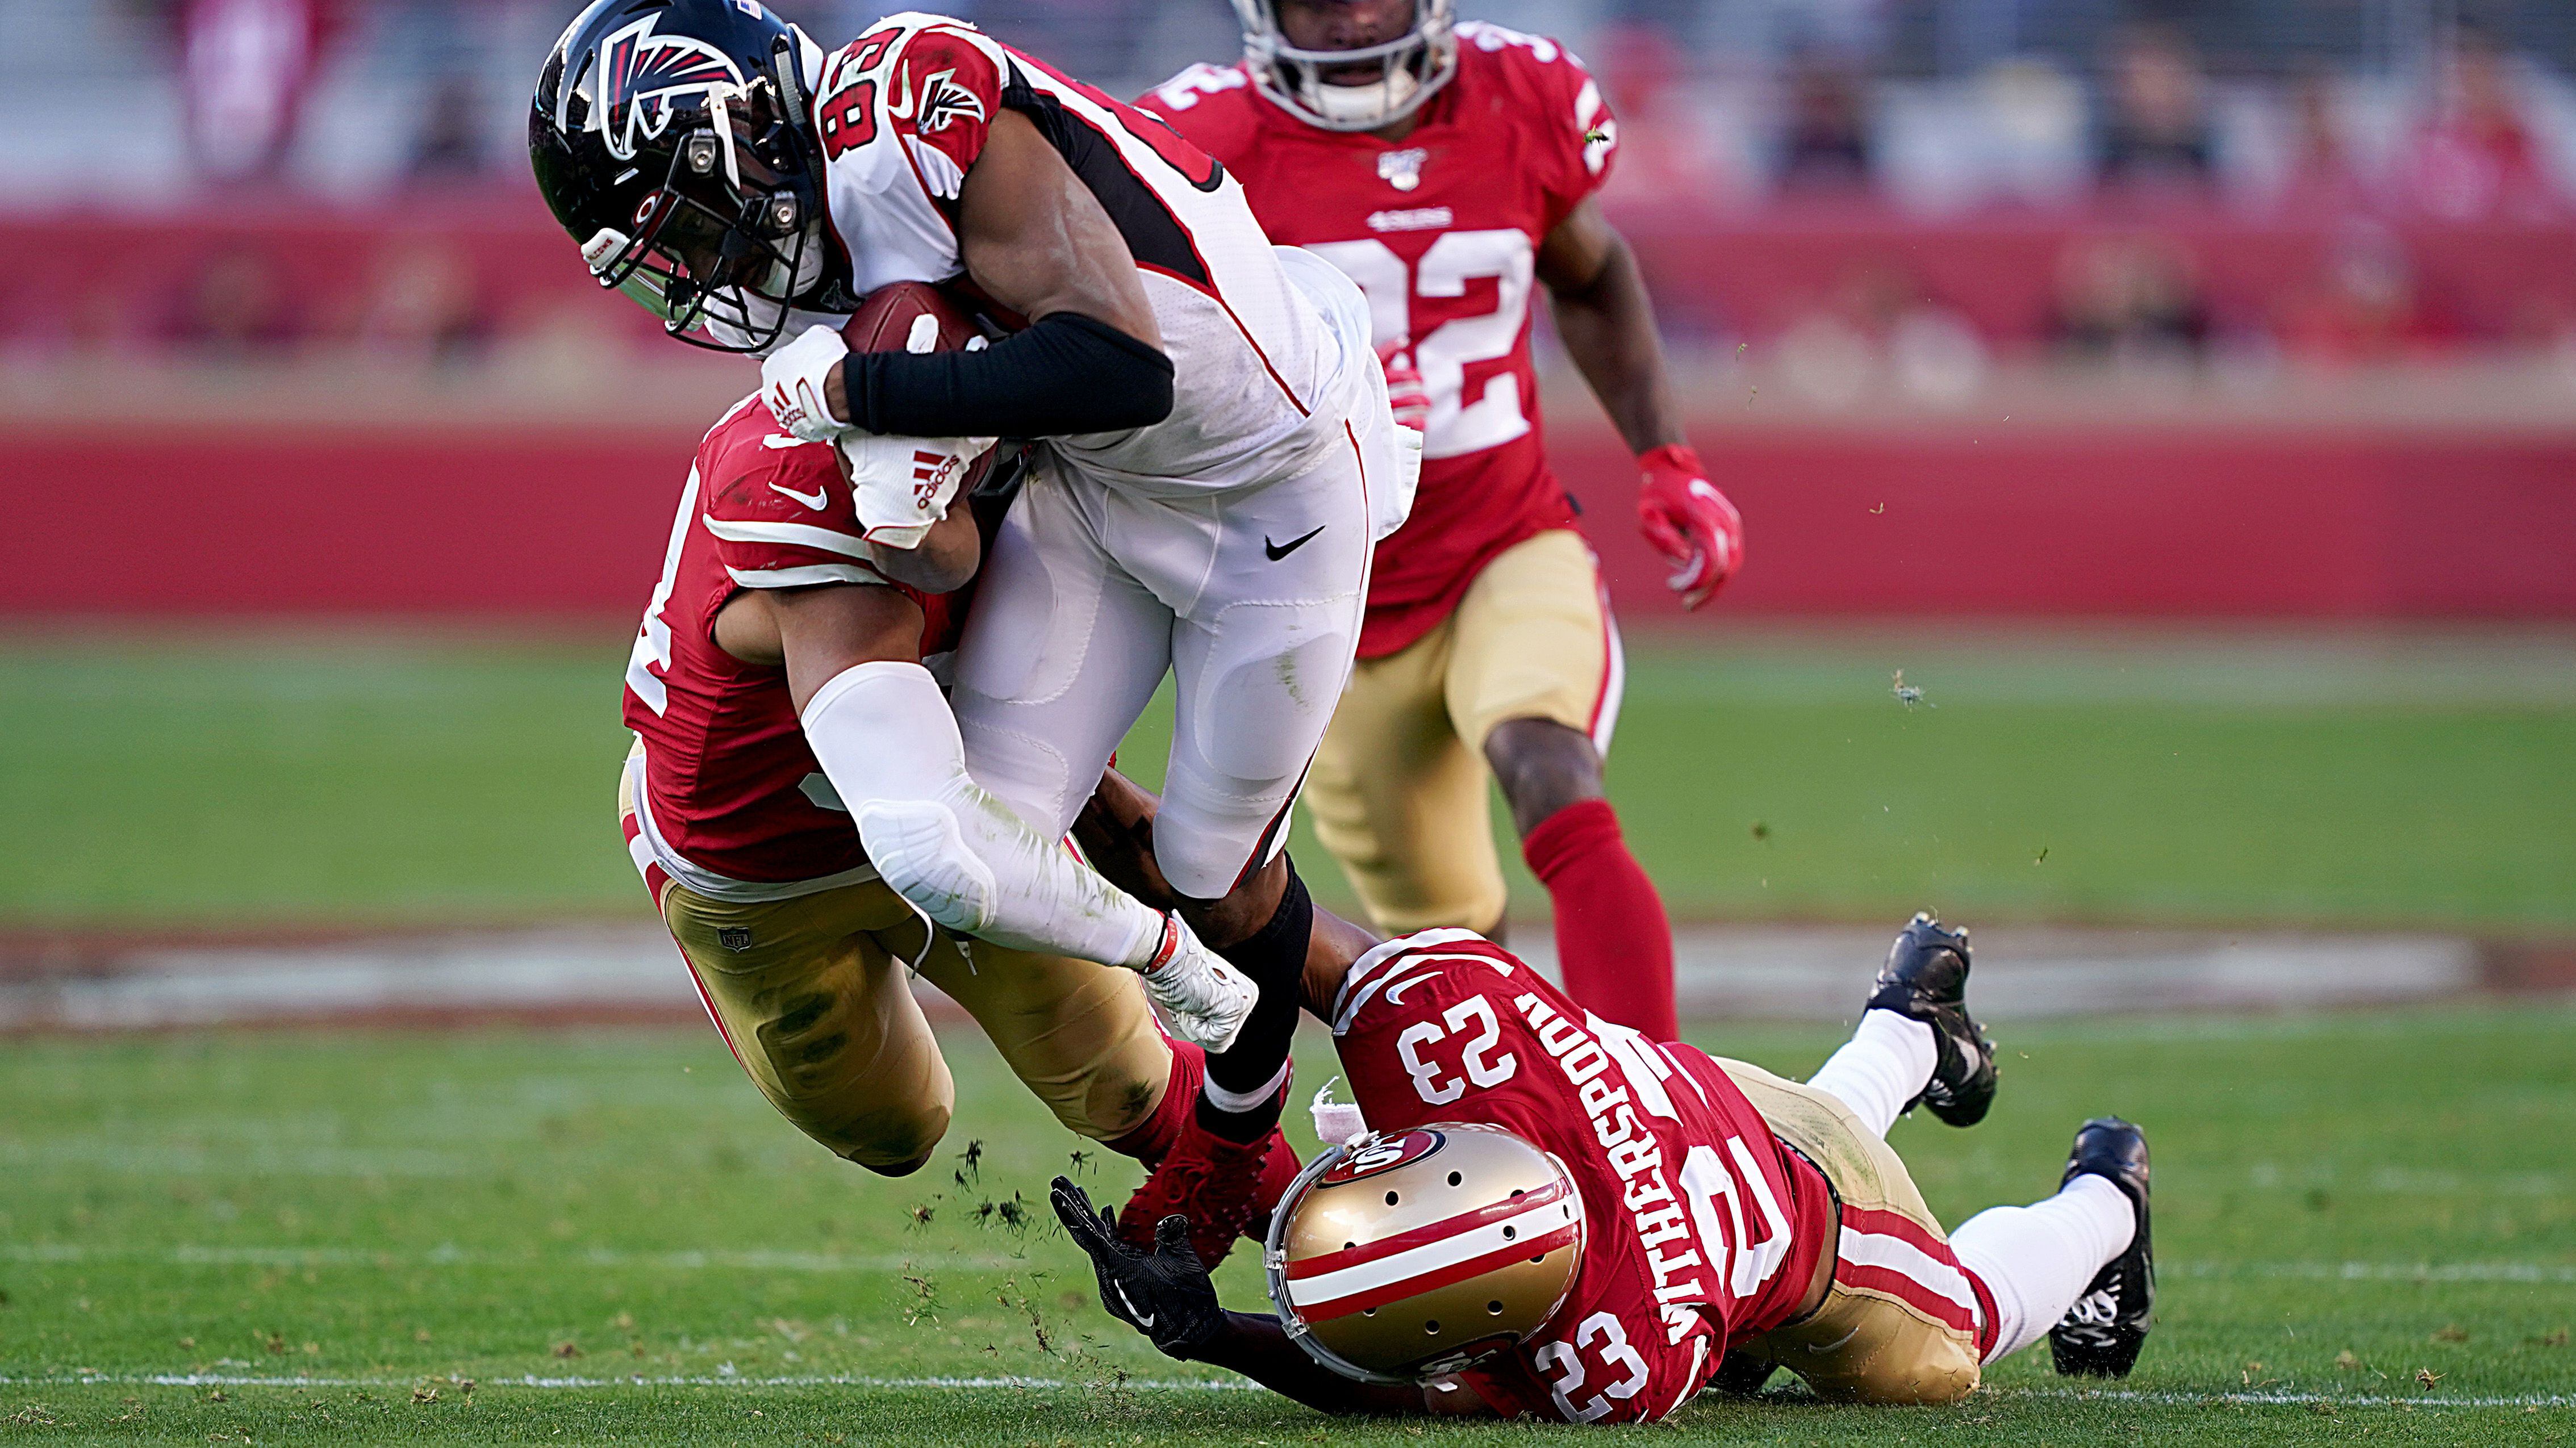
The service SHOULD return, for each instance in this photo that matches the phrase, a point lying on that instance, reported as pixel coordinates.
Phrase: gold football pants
(1882, 1335)
(1399, 790)
(812, 996)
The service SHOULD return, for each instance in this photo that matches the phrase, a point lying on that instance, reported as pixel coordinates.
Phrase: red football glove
(1689, 522)
(1404, 391)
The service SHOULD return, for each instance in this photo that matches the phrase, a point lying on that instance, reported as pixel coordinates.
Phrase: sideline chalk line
(2155, 1397)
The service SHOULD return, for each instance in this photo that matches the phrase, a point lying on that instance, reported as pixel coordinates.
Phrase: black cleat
(2100, 1335)
(1926, 979)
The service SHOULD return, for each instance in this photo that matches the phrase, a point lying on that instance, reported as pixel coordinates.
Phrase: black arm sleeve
(1066, 373)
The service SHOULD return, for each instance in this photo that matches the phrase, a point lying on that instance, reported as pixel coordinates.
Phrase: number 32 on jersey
(1445, 351)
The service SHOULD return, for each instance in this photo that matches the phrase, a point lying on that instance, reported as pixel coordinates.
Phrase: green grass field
(259, 781)
(2367, 1225)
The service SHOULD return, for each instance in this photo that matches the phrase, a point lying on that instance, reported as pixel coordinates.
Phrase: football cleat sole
(2100, 1336)
(1926, 979)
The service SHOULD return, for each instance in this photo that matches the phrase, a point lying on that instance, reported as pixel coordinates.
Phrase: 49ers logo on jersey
(643, 77)
(1381, 1153)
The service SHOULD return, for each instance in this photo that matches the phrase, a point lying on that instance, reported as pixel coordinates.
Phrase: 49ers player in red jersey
(1533, 1211)
(1445, 167)
(739, 816)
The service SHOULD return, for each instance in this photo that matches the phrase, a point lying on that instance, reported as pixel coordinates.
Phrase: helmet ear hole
(1455, 1179)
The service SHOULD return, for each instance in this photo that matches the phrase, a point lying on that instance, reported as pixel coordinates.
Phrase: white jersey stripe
(1895, 1254)
(1324, 1289)
(799, 535)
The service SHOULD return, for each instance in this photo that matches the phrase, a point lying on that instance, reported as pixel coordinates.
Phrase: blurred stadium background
(2181, 393)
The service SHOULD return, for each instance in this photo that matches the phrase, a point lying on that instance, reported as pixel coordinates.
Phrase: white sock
(885, 738)
(2036, 1260)
(1887, 1063)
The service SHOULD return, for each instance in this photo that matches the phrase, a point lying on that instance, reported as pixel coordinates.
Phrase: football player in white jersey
(1220, 453)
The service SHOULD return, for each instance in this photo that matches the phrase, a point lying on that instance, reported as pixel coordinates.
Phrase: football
(910, 317)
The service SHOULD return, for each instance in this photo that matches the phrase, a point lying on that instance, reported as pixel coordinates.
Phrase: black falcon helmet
(673, 139)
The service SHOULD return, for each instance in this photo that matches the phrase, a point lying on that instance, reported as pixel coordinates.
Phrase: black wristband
(1063, 374)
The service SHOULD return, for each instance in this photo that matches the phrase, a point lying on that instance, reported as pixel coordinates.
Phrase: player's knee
(1542, 766)
(893, 1148)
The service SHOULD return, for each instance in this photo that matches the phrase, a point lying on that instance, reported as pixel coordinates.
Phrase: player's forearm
(1607, 324)
(1064, 374)
(947, 558)
(1255, 1345)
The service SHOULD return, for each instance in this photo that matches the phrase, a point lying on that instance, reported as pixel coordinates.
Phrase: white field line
(2159, 1397)
(724, 1260)
(779, 1260)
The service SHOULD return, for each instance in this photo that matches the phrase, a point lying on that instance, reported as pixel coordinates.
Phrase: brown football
(908, 317)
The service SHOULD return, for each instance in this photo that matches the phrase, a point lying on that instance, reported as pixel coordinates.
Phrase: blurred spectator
(1664, 151)
(2128, 299)
(451, 139)
(2364, 306)
(1881, 331)
(235, 306)
(246, 65)
(2157, 131)
(2476, 157)
(2320, 174)
(1827, 145)
(425, 305)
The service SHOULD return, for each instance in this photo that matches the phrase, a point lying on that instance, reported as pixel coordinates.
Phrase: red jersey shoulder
(1214, 107)
(1534, 82)
(777, 506)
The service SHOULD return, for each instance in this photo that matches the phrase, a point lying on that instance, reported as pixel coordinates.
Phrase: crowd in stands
(2138, 156)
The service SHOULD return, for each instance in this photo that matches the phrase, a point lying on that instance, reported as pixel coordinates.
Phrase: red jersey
(730, 800)
(1441, 229)
(1700, 1226)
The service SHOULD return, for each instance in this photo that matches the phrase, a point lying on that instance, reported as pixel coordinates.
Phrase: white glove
(791, 382)
(902, 485)
(1205, 999)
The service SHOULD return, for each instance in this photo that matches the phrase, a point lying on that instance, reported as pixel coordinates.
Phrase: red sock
(1151, 1139)
(1613, 942)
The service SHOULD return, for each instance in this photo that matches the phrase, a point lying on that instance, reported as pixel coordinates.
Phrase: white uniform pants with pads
(1250, 598)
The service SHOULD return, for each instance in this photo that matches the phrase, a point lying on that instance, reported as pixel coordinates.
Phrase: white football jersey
(1263, 381)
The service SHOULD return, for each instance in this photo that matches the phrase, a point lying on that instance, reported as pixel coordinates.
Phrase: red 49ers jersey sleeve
(778, 508)
(1697, 1226)
(1578, 138)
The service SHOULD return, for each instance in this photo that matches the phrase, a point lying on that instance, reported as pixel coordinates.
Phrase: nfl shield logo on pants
(736, 938)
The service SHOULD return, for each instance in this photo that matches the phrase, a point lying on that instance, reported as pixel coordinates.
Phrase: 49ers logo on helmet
(644, 76)
(1381, 1153)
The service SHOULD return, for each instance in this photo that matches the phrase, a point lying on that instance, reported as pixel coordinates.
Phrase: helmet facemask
(1409, 68)
(694, 189)
(729, 241)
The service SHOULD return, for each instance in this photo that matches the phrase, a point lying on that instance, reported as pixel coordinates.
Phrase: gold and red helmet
(1400, 1256)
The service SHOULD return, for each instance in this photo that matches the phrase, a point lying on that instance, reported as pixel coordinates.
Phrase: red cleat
(1225, 1188)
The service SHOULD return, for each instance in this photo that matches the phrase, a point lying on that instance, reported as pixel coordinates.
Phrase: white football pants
(1250, 598)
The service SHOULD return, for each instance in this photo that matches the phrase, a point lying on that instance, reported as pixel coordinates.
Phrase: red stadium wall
(2352, 519)
(2330, 524)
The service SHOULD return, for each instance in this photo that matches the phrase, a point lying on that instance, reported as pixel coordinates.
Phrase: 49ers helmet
(1400, 1256)
(1410, 68)
(672, 139)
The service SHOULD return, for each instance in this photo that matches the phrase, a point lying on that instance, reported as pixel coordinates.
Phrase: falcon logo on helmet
(1401, 1256)
(642, 74)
